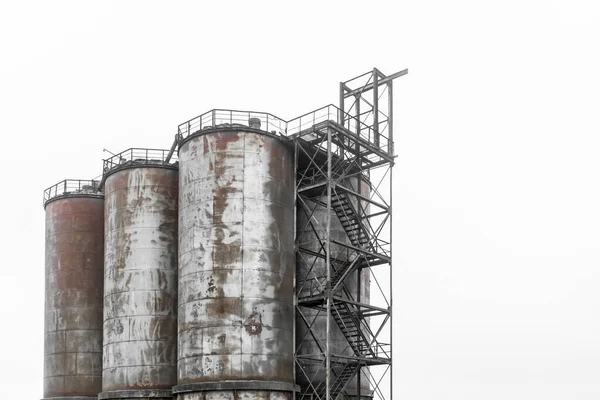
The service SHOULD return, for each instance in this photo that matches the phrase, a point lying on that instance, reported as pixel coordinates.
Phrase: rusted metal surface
(236, 262)
(140, 281)
(237, 395)
(73, 304)
(313, 269)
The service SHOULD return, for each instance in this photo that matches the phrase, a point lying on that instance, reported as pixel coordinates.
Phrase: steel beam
(381, 82)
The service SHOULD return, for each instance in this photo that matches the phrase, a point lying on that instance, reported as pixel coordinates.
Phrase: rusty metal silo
(311, 272)
(236, 265)
(140, 275)
(73, 301)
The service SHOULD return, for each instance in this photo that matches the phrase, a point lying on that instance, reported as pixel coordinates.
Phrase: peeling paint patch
(253, 323)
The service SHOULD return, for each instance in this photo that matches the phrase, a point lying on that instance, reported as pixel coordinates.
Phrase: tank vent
(254, 123)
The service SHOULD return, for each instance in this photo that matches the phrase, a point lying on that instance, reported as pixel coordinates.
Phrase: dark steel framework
(335, 148)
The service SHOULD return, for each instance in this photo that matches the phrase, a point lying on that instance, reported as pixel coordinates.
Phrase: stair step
(354, 225)
(340, 203)
(344, 205)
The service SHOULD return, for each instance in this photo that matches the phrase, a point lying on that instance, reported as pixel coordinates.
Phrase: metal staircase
(349, 324)
(343, 378)
(342, 269)
(350, 220)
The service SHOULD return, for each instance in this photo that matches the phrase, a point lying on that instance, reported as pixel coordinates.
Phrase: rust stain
(193, 338)
(211, 285)
(74, 276)
(128, 281)
(221, 339)
(224, 138)
(221, 307)
(162, 279)
(195, 314)
(118, 326)
(253, 324)
(205, 141)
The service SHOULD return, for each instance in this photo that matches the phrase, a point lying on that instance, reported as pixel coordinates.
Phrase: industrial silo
(311, 274)
(236, 265)
(140, 275)
(73, 301)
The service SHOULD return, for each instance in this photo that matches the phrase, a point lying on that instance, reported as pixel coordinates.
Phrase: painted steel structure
(73, 304)
(236, 264)
(140, 275)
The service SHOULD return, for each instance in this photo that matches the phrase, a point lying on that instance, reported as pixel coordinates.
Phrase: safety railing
(332, 113)
(312, 286)
(71, 187)
(383, 350)
(375, 349)
(268, 122)
(306, 121)
(222, 118)
(138, 156)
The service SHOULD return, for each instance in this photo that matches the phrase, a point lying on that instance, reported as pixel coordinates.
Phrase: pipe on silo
(73, 300)
(140, 282)
(236, 266)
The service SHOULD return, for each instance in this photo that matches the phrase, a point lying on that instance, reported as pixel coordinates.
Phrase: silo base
(70, 398)
(136, 394)
(235, 395)
(235, 390)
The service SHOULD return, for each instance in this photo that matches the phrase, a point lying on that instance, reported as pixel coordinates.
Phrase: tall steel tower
(344, 159)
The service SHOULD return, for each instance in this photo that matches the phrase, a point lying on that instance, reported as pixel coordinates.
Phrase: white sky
(497, 202)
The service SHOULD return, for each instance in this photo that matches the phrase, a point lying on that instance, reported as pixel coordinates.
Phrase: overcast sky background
(496, 201)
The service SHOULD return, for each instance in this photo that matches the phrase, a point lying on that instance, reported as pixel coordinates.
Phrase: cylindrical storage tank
(73, 301)
(236, 266)
(313, 269)
(140, 281)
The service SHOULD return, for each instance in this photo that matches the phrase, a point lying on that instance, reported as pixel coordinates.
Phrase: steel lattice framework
(344, 159)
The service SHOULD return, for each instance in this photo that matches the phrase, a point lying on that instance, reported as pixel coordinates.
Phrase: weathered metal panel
(140, 280)
(236, 260)
(237, 395)
(73, 304)
(308, 239)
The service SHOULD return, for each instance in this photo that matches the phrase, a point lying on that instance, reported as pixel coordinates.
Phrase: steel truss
(344, 176)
